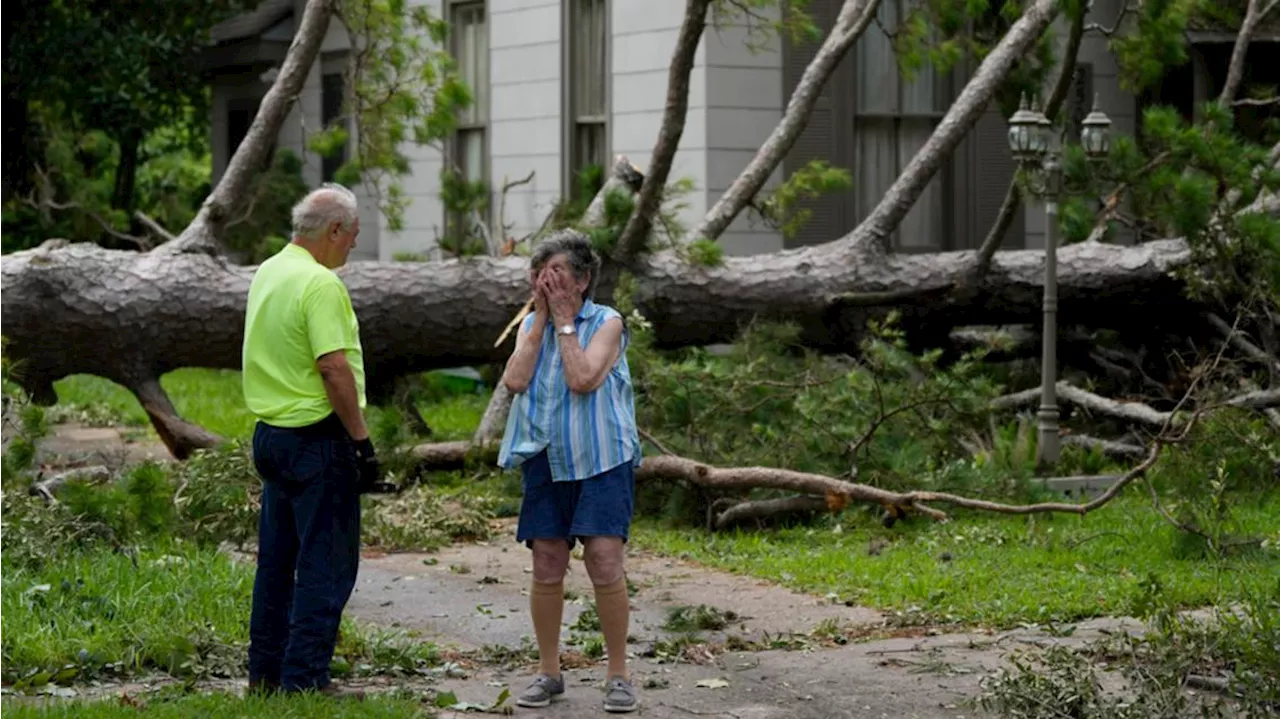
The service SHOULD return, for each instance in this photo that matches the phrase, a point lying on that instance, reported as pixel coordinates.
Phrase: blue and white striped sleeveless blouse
(583, 434)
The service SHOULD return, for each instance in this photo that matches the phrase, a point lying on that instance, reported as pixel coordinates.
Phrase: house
(566, 83)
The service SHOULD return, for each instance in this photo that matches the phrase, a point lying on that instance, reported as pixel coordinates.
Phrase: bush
(891, 419)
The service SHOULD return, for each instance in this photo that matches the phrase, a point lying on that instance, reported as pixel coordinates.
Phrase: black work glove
(367, 464)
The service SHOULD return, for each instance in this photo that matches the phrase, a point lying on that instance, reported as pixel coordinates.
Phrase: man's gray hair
(576, 247)
(323, 206)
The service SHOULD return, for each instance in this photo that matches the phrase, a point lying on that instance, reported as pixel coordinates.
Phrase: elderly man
(304, 381)
(572, 431)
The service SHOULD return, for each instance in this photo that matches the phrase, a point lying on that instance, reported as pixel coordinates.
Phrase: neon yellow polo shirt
(298, 310)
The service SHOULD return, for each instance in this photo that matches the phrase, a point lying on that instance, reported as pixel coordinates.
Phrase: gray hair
(576, 247)
(323, 206)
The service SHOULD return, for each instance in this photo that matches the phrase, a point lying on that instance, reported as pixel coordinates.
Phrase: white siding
(744, 103)
(423, 218)
(524, 110)
(643, 39)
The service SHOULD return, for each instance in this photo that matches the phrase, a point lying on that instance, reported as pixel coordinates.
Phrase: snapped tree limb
(205, 232)
(836, 493)
(669, 133)
(876, 230)
(1013, 195)
(852, 21)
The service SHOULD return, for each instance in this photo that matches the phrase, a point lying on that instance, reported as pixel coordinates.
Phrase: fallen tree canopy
(816, 493)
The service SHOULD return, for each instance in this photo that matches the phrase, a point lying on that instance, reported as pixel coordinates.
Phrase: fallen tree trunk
(130, 317)
(831, 289)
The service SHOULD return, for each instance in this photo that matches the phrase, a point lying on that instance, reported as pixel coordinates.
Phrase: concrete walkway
(469, 597)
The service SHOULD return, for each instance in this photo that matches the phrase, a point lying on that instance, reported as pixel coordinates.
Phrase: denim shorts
(599, 506)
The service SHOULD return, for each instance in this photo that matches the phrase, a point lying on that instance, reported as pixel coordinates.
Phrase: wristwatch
(566, 329)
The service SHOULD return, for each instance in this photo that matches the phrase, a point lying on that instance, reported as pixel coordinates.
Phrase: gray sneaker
(619, 696)
(541, 692)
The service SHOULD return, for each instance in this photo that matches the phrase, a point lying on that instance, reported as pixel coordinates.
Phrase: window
(240, 114)
(332, 91)
(469, 37)
(893, 117)
(588, 73)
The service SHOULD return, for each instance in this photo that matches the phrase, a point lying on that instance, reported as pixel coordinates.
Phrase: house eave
(1219, 37)
(242, 54)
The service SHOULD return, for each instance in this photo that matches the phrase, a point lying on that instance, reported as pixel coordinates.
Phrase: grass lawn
(167, 606)
(213, 399)
(221, 705)
(989, 569)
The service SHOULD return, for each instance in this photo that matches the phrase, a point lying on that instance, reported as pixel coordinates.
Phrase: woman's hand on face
(560, 296)
(539, 296)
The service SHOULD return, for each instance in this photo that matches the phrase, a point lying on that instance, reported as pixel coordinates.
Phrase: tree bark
(830, 290)
(122, 195)
(132, 317)
(1254, 13)
(205, 233)
(834, 493)
(673, 118)
(853, 19)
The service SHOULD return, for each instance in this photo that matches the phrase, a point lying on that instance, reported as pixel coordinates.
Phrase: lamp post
(1035, 147)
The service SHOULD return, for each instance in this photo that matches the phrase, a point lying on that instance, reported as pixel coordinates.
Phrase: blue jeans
(308, 551)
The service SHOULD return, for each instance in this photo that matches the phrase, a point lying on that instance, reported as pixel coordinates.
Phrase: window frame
(474, 119)
(944, 90)
(332, 66)
(571, 82)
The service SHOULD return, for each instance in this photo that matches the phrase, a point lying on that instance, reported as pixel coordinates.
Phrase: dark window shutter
(827, 134)
(992, 169)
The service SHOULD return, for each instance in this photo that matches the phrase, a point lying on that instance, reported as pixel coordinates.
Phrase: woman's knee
(603, 557)
(550, 560)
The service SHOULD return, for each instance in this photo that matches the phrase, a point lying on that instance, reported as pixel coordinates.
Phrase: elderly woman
(572, 431)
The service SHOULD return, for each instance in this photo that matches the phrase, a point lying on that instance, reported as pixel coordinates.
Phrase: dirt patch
(76, 445)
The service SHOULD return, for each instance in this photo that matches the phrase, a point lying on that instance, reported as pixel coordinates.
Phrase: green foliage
(465, 203)
(24, 422)
(136, 508)
(770, 402)
(1178, 177)
(767, 20)
(223, 705)
(1157, 42)
(130, 73)
(405, 88)
(979, 569)
(783, 207)
(1241, 643)
(618, 206)
(942, 33)
(217, 495)
(1232, 459)
(423, 518)
(704, 253)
